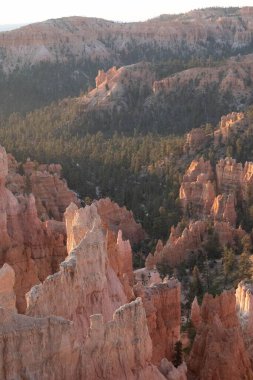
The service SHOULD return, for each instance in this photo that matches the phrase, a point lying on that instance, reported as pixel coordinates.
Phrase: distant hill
(47, 61)
(7, 27)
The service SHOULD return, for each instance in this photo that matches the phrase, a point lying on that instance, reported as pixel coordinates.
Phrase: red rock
(223, 209)
(7, 281)
(37, 348)
(197, 192)
(177, 248)
(51, 193)
(195, 313)
(229, 125)
(32, 248)
(117, 218)
(195, 140)
(86, 272)
(172, 373)
(218, 350)
(162, 306)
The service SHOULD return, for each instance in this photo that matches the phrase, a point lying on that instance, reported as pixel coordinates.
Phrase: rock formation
(120, 349)
(195, 313)
(218, 350)
(32, 248)
(229, 124)
(244, 305)
(197, 191)
(162, 307)
(117, 218)
(179, 244)
(37, 348)
(229, 176)
(51, 193)
(7, 281)
(103, 322)
(86, 272)
(172, 373)
(223, 209)
(195, 140)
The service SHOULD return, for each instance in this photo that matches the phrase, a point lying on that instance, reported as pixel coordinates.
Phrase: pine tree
(178, 354)
(245, 267)
(196, 282)
(229, 262)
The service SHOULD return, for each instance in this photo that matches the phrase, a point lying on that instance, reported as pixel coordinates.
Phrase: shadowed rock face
(162, 307)
(218, 350)
(32, 248)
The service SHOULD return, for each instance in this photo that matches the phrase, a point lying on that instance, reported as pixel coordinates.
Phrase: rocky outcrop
(230, 124)
(219, 332)
(195, 316)
(197, 191)
(229, 176)
(172, 373)
(32, 248)
(179, 244)
(86, 272)
(233, 177)
(112, 336)
(7, 281)
(52, 195)
(244, 305)
(163, 311)
(223, 209)
(37, 348)
(120, 349)
(117, 218)
(195, 140)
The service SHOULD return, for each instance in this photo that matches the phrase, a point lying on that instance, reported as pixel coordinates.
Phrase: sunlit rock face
(37, 348)
(112, 335)
(86, 273)
(7, 294)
